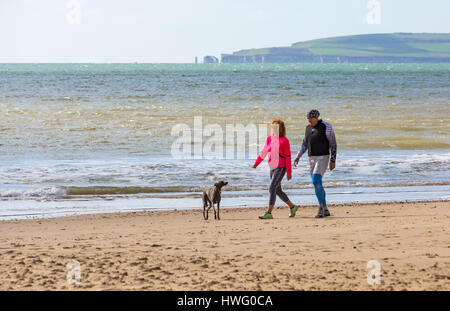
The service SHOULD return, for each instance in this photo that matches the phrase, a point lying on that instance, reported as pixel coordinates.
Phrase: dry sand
(178, 250)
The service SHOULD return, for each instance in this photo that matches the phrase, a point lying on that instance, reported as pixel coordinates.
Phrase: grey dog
(212, 196)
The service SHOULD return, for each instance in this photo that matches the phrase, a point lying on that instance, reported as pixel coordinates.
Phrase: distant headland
(368, 48)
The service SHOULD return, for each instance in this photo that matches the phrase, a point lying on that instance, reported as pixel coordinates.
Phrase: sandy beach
(178, 250)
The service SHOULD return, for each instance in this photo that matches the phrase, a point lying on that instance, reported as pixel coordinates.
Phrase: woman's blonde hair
(279, 128)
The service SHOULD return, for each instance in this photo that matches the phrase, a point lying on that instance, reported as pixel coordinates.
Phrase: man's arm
(332, 140)
(303, 148)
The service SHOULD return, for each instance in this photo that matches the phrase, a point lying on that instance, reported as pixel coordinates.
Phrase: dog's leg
(204, 207)
(209, 207)
(215, 215)
(218, 206)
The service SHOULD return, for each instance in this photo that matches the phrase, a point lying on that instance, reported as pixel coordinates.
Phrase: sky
(175, 31)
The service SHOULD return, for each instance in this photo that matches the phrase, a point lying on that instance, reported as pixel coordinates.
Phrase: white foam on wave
(44, 192)
(359, 169)
(368, 164)
(427, 157)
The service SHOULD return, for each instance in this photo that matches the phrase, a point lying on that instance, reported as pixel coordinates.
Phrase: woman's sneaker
(266, 216)
(326, 213)
(293, 210)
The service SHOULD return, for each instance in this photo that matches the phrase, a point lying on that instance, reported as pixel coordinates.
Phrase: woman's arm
(263, 153)
(286, 152)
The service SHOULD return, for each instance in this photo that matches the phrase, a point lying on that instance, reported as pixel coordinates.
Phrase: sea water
(93, 138)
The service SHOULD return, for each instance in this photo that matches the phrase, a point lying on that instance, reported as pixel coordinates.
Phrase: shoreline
(178, 250)
(249, 207)
(25, 217)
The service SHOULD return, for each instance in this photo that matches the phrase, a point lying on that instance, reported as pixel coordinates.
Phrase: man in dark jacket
(320, 142)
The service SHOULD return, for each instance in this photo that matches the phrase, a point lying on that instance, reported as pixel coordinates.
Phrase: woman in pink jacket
(279, 150)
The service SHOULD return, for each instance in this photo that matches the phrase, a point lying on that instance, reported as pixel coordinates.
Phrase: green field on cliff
(395, 45)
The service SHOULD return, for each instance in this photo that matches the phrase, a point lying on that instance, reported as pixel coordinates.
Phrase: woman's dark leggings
(276, 176)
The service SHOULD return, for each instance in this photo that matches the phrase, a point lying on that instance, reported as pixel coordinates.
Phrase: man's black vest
(316, 139)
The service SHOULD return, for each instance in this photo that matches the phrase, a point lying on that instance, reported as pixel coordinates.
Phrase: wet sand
(178, 250)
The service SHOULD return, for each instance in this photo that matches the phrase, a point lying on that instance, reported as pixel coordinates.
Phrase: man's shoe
(326, 213)
(320, 213)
